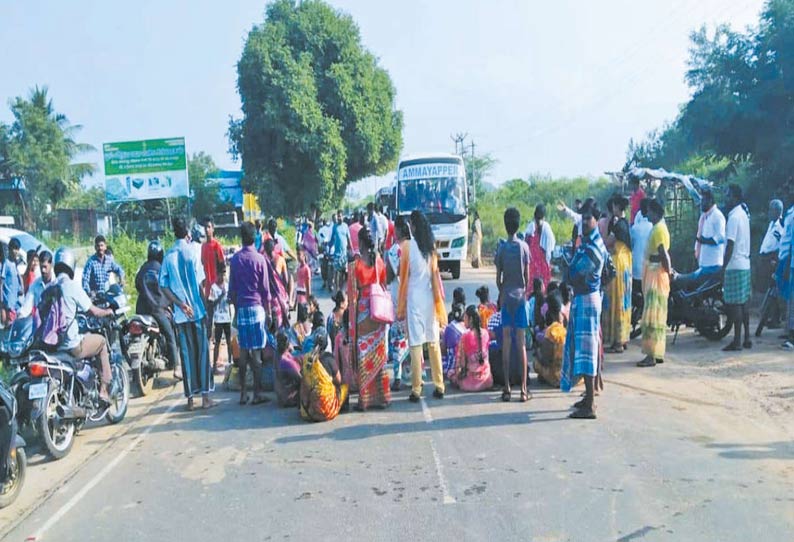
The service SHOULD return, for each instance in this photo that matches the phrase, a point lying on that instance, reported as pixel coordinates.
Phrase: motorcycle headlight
(459, 242)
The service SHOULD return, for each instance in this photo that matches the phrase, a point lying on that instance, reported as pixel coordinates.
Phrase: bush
(524, 195)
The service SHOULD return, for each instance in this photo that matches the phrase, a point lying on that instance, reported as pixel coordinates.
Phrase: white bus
(436, 185)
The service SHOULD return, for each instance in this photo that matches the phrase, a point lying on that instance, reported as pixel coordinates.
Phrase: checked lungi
(583, 342)
(251, 327)
(736, 286)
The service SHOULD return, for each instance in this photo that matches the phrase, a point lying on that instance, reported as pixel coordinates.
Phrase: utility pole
(459, 139)
(473, 174)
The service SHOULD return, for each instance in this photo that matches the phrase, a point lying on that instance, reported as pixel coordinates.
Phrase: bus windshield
(443, 197)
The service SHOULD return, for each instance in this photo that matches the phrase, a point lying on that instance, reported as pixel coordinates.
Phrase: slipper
(748, 344)
(525, 397)
(506, 396)
(208, 404)
(732, 347)
(260, 400)
(647, 363)
(615, 350)
(582, 414)
(578, 404)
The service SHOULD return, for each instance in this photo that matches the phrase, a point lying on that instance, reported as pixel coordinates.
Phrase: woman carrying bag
(372, 312)
(421, 303)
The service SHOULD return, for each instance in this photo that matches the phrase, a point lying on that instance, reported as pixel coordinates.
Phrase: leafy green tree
(478, 168)
(42, 150)
(84, 198)
(207, 198)
(318, 110)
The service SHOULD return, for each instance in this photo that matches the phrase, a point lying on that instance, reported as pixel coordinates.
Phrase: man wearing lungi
(182, 281)
(249, 292)
(583, 342)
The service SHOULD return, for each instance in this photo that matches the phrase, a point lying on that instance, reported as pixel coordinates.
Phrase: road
(695, 449)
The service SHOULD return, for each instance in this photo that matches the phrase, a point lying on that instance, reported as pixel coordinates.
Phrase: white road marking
(447, 498)
(71, 503)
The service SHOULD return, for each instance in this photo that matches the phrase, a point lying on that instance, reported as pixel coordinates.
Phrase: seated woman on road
(551, 343)
(288, 373)
(472, 370)
(487, 308)
(451, 337)
(322, 393)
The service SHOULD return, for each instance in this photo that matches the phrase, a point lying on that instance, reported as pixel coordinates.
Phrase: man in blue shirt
(181, 280)
(11, 284)
(98, 268)
(583, 341)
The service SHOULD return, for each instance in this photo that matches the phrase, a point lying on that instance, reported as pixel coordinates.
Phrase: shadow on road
(770, 450)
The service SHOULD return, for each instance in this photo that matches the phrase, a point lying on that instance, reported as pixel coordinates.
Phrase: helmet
(63, 261)
(197, 233)
(154, 251)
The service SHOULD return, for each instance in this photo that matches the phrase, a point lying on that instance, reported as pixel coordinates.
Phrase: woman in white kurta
(421, 303)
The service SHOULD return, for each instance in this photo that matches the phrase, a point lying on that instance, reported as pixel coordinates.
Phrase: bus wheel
(454, 268)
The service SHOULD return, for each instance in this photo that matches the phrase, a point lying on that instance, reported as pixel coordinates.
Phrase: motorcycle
(144, 348)
(13, 461)
(18, 341)
(58, 394)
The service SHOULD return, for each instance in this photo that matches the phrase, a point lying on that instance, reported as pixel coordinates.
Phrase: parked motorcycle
(17, 341)
(58, 394)
(13, 461)
(144, 347)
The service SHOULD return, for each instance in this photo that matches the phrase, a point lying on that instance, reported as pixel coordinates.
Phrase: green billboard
(149, 169)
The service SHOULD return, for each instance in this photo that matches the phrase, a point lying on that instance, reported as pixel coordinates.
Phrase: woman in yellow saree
(322, 393)
(617, 306)
(656, 288)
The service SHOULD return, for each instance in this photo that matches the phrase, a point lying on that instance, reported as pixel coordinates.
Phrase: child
(486, 308)
(342, 354)
(566, 293)
(301, 328)
(303, 278)
(536, 301)
(334, 323)
(472, 371)
(452, 334)
(458, 298)
(222, 317)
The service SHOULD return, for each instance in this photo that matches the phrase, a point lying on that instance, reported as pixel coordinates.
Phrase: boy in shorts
(512, 277)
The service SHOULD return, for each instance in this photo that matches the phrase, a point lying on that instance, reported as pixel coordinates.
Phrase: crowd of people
(389, 305)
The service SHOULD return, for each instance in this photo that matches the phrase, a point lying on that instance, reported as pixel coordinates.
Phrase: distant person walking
(737, 287)
(583, 342)
(181, 280)
(640, 232)
(540, 239)
(768, 256)
(655, 288)
(476, 241)
(421, 303)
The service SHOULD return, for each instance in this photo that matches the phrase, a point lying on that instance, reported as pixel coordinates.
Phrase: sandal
(414, 398)
(615, 350)
(748, 344)
(732, 347)
(506, 396)
(647, 362)
(525, 397)
(260, 400)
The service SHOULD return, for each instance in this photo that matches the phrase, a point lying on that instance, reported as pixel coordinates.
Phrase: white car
(27, 242)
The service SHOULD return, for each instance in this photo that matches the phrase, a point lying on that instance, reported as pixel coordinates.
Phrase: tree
(41, 149)
(206, 196)
(84, 198)
(478, 168)
(318, 110)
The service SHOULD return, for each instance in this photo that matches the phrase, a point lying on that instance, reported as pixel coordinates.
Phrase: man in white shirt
(640, 232)
(736, 288)
(383, 226)
(709, 244)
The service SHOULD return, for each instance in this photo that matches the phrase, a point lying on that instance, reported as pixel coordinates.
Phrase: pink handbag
(381, 307)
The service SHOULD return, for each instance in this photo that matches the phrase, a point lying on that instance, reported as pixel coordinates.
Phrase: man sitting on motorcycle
(152, 302)
(75, 299)
(709, 245)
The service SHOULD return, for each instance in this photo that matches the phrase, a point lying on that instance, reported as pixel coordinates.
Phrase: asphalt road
(658, 464)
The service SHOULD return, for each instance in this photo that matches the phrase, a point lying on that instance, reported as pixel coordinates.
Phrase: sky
(553, 88)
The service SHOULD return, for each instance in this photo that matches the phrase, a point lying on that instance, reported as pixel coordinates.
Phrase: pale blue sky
(553, 87)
